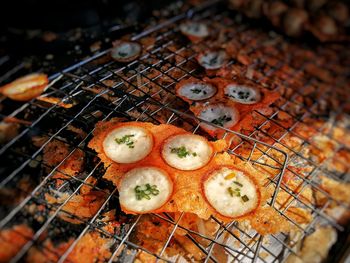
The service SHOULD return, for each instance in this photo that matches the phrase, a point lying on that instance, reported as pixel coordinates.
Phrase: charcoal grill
(143, 90)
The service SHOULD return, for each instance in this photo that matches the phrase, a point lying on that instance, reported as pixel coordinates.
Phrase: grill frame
(170, 28)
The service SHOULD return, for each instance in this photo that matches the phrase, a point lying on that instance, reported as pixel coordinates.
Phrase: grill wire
(144, 91)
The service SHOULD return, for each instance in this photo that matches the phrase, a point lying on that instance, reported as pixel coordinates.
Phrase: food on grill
(92, 247)
(316, 246)
(128, 144)
(25, 88)
(158, 133)
(57, 101)
(231, 192)
(195, 90)
(326, 20)
(213, 59)
(295, 21)
(57, 153)
(242, 94)
(220, 114)
(8, 131)
(153, 230)
(12, 240)
(339, 191)
(194, 30)
(299, 215)
(139, 183)
(309, 122)
(144, 189)
(225, 108)
(125, 51)
(80, 207)
(186, 151)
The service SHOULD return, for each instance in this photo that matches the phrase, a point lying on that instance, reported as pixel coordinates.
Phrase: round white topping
(230, 192)
(144, 189)
(242, 94)
(219, 114)
(125, 51)
(128, 144)
(186, 152)
(213, 59)
(196, 29)
(197, 91)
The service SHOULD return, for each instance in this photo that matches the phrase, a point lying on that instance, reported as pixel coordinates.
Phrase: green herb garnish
(126, 139)
(146, 191)
(234, 192)
(196, 91)
(182, 152)
(238, 183)
(221, 120)
(245, 198)
(122, 54)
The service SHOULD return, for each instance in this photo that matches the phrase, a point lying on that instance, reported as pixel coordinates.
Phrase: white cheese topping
(128, 144)
(197, 91)
(219, 114)
(186, 152)
(242, 94)
(142, 176)
(230, 203)
(196, 29)
(213, 59)
(125, 50)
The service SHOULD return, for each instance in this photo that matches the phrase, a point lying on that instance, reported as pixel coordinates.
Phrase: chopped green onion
(146, 191)
(182, 152)
(122, 54)
(221, 120)
(238, 183)
(234, 192)
(126, 139)
(245, 198)
(196, 91)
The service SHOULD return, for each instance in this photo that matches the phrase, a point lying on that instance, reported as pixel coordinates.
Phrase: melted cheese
(198, 149)
(142, 144)
(140, 177)
(196, 29)
(216, 113)
(197, 91)
(242, 94)
(212, 59)
(219, 197)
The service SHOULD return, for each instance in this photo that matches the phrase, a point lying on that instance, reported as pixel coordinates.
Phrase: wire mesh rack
(60, 215)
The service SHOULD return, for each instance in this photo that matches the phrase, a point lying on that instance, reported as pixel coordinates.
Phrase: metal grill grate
(144, 91)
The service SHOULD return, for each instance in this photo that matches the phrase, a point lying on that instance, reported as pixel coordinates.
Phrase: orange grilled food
(26, 88)
(171, 188)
